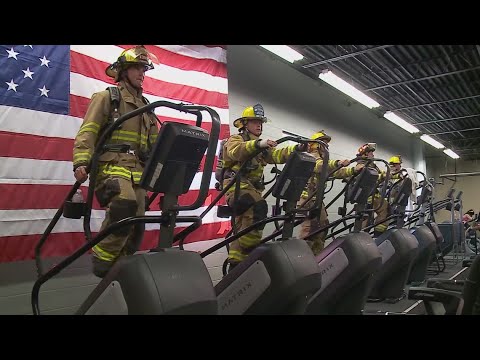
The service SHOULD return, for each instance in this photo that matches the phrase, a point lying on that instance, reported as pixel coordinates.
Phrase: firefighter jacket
(140, 132)
(238, 148)
(381, 174)
(312, 184)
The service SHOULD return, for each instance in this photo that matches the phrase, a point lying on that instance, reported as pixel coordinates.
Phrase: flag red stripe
(78, 106)
(93, 68)
(40, 196)
(183, 62)
(28, 146)
(17, 248)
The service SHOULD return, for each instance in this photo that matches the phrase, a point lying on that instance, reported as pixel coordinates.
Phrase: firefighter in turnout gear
(317, 242)
(395, 164)
(120, 167)
(249, 207)
(366, 152)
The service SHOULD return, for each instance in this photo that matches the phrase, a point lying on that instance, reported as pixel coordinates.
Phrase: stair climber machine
(444, 232)
(398, 247)
(276, 277)
(426, 216)
(452, 230)
(164, 280)
(349, 263)
(426, 237)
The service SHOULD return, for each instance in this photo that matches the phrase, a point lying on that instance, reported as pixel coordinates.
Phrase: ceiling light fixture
(432, 141)
(397, 120)
(340, 84)
(284, 51)
(451, 154)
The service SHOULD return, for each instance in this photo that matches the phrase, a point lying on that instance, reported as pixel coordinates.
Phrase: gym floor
(453, 270)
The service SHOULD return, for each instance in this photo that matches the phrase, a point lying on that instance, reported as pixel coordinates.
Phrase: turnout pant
(381, 214)
(121, 199)
(250, 207)
(316, 242)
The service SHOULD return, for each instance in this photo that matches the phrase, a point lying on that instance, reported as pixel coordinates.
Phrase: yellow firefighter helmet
(397, 159)
(136, 55)
(254, 112)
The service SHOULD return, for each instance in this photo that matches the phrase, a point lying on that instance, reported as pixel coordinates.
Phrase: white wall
(298, 104)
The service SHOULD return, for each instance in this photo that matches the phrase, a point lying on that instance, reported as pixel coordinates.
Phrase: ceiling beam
(421, 79)
(447, 119)
(346, 56)
(434, 103)
(473, 149)
(449, 132)
(466, 139)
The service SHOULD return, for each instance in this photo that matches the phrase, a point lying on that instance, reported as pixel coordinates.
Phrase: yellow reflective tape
(90, 124)
(242, 186)
(277, 154)
(77, 158)
(250, 146)
(116, 135)
(236, 255)
(88, 130)
(251, 239)
(103, 255)
(115, 170)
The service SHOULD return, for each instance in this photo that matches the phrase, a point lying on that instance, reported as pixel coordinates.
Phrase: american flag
(44, 93)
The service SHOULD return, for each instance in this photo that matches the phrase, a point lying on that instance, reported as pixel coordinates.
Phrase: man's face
(136, 75)
(254, 127)
(370, 155)
(395, 167)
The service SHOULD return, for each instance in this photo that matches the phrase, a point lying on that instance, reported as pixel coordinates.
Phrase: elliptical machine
(164, 280)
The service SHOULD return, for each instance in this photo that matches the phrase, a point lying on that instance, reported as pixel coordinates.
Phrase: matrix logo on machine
(330, 267)
(236, 295)
(195, 133)
(241, 293)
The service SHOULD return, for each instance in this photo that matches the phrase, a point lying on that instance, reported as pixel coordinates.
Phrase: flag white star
(28, 73)
(12, 54)
(44, 91)
(31, 46)
(11, 85)
(44, 61)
